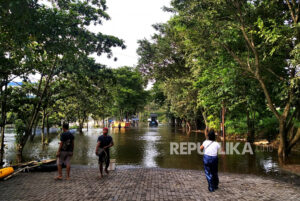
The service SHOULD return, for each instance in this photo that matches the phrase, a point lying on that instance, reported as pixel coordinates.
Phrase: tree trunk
(87, 125)
(34, 130)
(188, 126)
(205, 121)
(223, 122)
(43, 127)
(196, 124)
(178, 122)
(294, 140)
(80, 128)
(19, 153)
(285, 124)
(41, 93)
(173, 121)
(282, 151)
(3, 122)
(2, 146)
(284, 127)
(81, 122)
(48, 130)
(288, 137)
(251, 131)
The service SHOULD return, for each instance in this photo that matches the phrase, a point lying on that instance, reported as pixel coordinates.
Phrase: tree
(53, 40)
(129, 96)
(16, 47)
(260, 36)
(164, 60)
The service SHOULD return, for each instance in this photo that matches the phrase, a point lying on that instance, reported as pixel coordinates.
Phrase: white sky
(131, 20)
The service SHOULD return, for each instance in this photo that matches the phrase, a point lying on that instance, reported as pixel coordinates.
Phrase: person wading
(210, 160)
(102, 150)
(65, 151)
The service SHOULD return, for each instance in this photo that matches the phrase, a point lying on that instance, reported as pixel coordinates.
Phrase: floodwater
(150, 147)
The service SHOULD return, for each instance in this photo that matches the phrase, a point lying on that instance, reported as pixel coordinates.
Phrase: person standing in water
(65, 151)
(210, 160)
(104, 142)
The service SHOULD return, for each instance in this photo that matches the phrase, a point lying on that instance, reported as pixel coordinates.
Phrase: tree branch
(279, 77)
(270, 103)
(236, 58)
(290, 120)
(295, 139)
(248, 40)
(297, 13)
(257, 65)
(291, 10)
(38, 105)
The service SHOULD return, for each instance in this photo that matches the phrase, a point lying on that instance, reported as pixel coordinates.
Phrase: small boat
(46, 166)
(4, 172)
(39, 166)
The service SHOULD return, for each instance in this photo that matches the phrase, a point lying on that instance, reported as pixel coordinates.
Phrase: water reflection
(152, 139)
(269, 165)
(150, 147)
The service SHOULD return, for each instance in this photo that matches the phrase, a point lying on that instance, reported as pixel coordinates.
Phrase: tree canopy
(237, 55)
(51, 40)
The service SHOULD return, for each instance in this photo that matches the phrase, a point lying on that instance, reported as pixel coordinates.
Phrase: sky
(131, 20)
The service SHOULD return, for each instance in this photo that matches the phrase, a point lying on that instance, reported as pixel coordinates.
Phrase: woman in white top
(210, 160)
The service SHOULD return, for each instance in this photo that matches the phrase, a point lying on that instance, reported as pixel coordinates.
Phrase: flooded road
(150, 147)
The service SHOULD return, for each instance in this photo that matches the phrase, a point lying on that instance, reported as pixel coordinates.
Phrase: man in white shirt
(210, 160)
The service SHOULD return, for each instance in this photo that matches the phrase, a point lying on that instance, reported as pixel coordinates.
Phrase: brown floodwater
(150, 147)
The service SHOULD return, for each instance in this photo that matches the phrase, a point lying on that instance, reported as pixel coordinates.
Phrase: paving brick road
(143, 184)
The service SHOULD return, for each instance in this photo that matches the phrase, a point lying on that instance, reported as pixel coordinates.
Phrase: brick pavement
(143, 184)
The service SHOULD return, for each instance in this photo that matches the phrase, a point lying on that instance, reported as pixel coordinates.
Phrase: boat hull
(4, 172)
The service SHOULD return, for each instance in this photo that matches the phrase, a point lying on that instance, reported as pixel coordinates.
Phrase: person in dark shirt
(102, 150)
(65, 151)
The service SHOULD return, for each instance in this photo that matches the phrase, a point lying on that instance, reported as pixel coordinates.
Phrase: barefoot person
(210, 160)
(102, 150)
(65, 151)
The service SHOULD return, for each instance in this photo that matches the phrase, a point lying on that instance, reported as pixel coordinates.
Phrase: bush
(268, 128)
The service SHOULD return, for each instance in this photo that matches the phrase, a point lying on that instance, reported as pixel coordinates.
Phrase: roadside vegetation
(229, 63)
(48, 75)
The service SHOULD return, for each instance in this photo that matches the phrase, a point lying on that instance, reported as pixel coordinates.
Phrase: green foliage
(129, 96)
(236, 126)
(268, 128)
(20, 128)
(242, 55)
(157, 94)
(50, 39)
